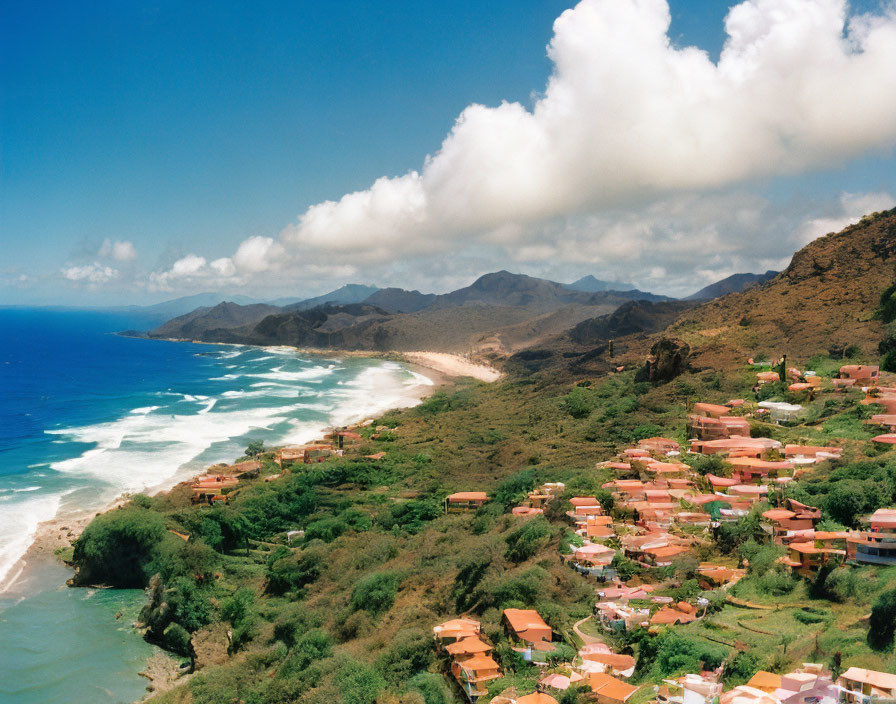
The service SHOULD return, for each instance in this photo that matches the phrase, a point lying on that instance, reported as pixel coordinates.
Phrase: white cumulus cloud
(119, 250)
(92, 274)
(637, 154)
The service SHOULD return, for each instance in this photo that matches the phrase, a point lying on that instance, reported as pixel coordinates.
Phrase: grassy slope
(474, 437)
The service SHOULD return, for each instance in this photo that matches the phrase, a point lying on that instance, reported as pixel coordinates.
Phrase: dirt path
(586, 639)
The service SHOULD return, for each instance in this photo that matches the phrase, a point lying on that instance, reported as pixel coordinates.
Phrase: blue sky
(180, 130)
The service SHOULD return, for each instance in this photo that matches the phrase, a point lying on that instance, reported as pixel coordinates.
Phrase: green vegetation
(345, 613)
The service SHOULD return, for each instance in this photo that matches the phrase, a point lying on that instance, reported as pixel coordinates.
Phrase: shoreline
(59, 533)
(446, 364)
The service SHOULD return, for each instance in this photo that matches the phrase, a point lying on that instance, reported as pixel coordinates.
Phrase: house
(674, 614)
(526, 511)
(616, 616)
(608, 662)
(816, 453)
(718, 575)
(860, 372)
(809, 684)
(474, 673)
(526, 625)
(465, 501)
(781, 412)
(876, 546)
(699, 689)
(748, 695)
(805, 558)
(782, 523)
(207, 488)
(468, 647)
(755, 470)
(536, 698)
(455, 630)
(663, 555)
(303, 454)
(861, 686)
(610, 690)
(736, 447)
(559, 682)
(767, 377)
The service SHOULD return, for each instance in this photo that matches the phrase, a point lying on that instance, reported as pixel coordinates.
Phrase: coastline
(60, 532)
(54, 537)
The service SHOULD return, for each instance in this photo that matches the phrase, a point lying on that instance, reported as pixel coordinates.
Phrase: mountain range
(499, 314)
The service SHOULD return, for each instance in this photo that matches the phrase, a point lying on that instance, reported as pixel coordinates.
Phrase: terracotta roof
(610, 687)
(468, 646)
(537, 698)
(468, 496)
(872, 677)
(765, 680)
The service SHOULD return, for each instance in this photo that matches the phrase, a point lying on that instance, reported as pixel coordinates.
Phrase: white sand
(453, 365)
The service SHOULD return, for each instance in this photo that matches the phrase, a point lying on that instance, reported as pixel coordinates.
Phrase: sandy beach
(60, 532)
(453, 365)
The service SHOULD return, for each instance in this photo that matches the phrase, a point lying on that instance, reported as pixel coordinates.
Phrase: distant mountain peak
(591, 284)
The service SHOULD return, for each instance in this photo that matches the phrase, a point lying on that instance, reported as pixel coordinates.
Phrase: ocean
(87, 415)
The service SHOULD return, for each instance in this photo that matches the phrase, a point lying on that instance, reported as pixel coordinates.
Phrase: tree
(882, 623)
(376, 593)
(255, 448)
(118, 547)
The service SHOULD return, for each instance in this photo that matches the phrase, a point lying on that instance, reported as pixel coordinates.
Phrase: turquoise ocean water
(86, 415)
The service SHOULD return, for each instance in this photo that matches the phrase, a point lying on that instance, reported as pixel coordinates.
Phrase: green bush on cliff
(118, 547)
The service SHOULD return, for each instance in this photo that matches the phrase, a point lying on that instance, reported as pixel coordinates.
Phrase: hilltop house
(474, 673)
(781, 523)
(674, 614)
(609, 690)
(860, 372)
(465, 501)
(876, 546)
(860, 686)
(805, 558)
(526, 625)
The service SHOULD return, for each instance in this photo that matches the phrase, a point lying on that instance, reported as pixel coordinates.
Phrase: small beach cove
(158, 414)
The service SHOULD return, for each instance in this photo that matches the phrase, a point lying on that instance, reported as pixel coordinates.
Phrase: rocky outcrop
(667, 359)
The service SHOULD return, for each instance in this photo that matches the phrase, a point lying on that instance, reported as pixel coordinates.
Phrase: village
(661, 513)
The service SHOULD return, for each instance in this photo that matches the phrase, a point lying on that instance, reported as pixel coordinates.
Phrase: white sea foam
(17, 529)
(144, 410)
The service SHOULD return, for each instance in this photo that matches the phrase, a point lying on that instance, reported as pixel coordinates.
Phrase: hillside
(825, 300)
(399, 300)
(499, 312)
(732, 284)
(205, 323)
(584, 348)
(350, 293)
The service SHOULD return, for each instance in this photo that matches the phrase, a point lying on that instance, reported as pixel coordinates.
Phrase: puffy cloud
(634, 161)
(120, 250)
(628, 117)
(92, 274)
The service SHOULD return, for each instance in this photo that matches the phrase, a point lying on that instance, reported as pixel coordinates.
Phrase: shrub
(118, 547)
(528, 539)
(238, 606)
(579, 403)
(409, 653)
(176, 639)
(882, 623)
(375, 593)
(293, 621)
(189, 606)
(431, 687)
(411, 516)
(326, 529)
(358, 683)
(293, 572)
